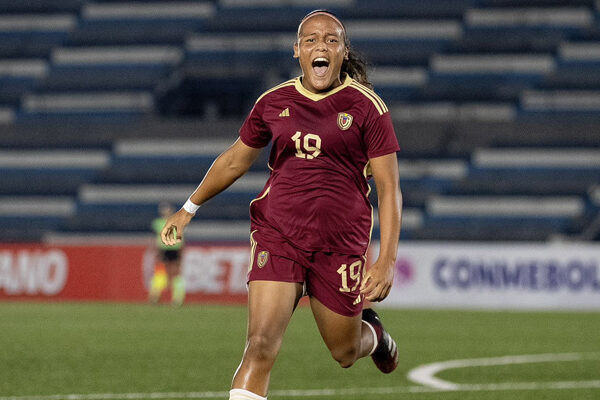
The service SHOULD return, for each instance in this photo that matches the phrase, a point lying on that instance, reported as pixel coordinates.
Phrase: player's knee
(261, 348)
(345, 355)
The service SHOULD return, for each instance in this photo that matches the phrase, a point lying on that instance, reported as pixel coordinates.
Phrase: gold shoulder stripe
(284, 84)
(372, 93)
(373, 100)
(372, 96)
(376, 100)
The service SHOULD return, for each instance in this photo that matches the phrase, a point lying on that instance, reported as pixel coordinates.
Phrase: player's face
(321, 52)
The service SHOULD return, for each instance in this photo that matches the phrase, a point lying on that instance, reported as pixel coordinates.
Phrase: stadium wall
(430, 275)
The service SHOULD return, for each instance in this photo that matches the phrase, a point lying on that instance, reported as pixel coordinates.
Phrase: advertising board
(430, 275)
(497, 276)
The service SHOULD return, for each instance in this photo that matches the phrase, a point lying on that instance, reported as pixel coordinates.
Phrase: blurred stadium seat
(109, 107)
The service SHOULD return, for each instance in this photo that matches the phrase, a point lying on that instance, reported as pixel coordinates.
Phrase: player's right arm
(226, 169)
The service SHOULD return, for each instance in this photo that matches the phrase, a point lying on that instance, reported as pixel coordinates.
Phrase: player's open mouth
(320, 66)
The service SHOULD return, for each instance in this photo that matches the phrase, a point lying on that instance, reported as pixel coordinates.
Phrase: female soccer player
(311, 224)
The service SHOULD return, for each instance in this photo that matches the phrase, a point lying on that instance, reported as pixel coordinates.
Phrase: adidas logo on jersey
(285, 113)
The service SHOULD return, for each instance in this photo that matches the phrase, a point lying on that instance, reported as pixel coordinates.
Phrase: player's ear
(346, 53)
(296, 50)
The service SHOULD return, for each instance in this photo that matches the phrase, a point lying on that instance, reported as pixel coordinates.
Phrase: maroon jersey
(316, 197)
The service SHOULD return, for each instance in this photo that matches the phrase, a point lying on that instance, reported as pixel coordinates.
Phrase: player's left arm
(378, 280)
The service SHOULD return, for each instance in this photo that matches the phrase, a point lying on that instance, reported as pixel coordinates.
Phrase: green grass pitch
(138, 351)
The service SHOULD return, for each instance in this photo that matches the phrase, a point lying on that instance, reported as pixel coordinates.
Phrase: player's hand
(172, 232)
(378, 281)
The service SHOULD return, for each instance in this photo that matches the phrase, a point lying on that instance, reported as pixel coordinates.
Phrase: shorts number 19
(354, 270)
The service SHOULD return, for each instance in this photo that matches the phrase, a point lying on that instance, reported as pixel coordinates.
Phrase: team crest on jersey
(262, 258)
(344, 121)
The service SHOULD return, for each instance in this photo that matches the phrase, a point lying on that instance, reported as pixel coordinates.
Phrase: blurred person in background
(167, 268)
(311, 224)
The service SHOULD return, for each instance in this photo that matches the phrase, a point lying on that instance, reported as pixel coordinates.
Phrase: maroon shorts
(332, 278)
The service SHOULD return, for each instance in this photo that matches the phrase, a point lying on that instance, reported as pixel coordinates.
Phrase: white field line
(566, 385)
(425, 374)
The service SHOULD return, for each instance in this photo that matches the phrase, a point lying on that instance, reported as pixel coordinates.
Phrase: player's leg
(270, 307)
(347, 338)
(175, 278)
(159, 281)
(351, 338)
(348, 331)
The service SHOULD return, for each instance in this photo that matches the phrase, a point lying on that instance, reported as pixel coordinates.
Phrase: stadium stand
(109, 107)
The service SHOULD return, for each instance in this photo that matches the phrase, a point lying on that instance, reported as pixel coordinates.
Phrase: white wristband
(190, 207)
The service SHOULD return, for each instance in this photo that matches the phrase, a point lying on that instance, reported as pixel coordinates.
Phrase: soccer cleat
(385, 355)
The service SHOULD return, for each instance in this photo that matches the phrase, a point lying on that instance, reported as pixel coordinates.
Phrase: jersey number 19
(309, 147)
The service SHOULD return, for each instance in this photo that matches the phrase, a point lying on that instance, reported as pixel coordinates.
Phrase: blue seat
(37, 223)
(28, 217)
(162, 169)
(111, 217)
(242, 18)
(70, 78)
(40, 6)
(584, 76)
(524, 182)
(127, 32)
(408, 9)
(406, 42)
(29, 44)
(416, 191)
(87, 105)
(46, 181)
(475, 87)
(484, 77)
(232, 92)
(526, 18)
(534, 3)
(485, 40)
(137, 217)
(12, 89)
(399, 52)
(7, 115)
(18, 77)
(463, 229)
(538, 213)
(33, 35)
(160, 22)
(156, 169)
(48, 172)
(233, 53)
